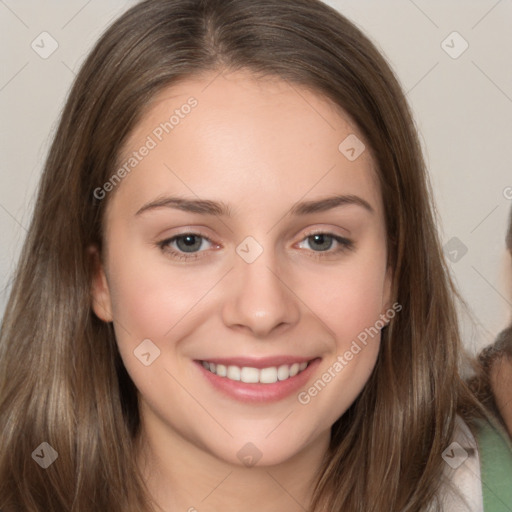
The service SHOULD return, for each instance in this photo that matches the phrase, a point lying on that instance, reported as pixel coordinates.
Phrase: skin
(501, 384)
(260, 146)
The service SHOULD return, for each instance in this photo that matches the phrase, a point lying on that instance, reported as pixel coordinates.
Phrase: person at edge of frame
(493, 380)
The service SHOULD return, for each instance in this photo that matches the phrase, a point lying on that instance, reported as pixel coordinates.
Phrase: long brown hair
(62, 380)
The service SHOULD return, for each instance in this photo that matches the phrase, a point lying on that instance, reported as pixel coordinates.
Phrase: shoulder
(462, 487)
(478, 469)
(495, 451)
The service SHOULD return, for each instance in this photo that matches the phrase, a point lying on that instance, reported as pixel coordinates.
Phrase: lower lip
(258, 393)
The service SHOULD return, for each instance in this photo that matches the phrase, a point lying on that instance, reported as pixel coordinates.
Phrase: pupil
(323, 240)
(189, 242)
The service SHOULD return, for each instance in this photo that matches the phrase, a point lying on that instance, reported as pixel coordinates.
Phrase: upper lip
(263, 362)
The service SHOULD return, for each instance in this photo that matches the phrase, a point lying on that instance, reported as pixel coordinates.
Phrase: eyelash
(344, 245)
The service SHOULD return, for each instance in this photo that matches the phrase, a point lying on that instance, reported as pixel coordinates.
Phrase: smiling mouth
(250, 375)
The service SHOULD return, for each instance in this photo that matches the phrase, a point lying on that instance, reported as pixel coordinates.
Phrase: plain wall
(462, 106)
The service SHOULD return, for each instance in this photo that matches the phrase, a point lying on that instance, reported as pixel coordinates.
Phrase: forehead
(216, 132)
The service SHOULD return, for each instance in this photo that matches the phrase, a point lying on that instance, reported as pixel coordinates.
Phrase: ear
(100, 291)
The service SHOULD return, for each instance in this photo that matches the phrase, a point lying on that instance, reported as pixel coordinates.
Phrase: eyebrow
(221, 209)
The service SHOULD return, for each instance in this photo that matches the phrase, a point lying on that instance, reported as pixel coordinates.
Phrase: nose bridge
(258, 300)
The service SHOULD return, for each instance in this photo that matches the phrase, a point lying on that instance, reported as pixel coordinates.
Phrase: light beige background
(462, 106)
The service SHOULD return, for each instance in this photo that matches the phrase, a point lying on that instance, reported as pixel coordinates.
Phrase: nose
(259, 300)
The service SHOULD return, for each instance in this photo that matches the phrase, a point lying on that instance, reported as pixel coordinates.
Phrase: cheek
(350, 305)
(351, 300)
(150, 299)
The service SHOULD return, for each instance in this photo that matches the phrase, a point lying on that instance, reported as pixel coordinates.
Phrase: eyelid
(189, 233)
(323, 231)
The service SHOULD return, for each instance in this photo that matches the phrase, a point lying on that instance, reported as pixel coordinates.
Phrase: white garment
(463, 490)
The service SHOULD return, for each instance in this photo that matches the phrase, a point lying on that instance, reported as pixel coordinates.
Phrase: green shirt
(495, 451)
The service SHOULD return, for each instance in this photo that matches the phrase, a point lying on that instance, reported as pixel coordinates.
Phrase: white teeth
(268, 375)
(233, 373)
(283, 372)
(294, 369)
(250, 375)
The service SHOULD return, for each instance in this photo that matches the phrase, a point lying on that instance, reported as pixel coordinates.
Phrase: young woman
(232, 295)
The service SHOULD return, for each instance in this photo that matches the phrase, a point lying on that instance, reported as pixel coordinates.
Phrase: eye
(185, 246)
(321, 242)
(189, 246)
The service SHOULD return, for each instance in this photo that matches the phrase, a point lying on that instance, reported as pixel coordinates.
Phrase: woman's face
(248, 236)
